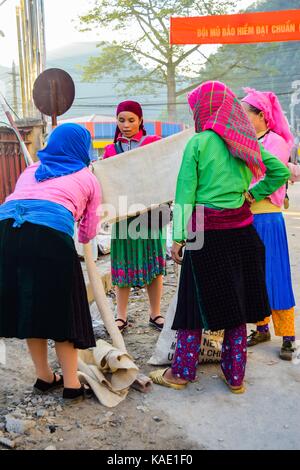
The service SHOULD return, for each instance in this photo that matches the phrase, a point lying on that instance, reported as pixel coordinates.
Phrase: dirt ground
(204, 416)
(89, 425)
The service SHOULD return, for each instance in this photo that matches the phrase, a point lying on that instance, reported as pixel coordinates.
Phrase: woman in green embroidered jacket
(222, 284)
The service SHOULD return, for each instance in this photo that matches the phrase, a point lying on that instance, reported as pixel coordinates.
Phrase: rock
(18, 426)
(19, 414)
(50, 448)
(2, 426)
(142, 408)
(52, 428)
(59, 409)
(67, 428)
(7, 442)
(157, 419)
(49, 402)
(41, 413)
(109, 414)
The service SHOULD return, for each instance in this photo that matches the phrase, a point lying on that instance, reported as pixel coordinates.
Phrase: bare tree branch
(186, 54)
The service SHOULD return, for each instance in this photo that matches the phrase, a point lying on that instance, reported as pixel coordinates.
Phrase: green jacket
(211, 176)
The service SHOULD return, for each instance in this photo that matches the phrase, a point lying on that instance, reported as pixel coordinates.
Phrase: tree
(281, 60)
(178, 68)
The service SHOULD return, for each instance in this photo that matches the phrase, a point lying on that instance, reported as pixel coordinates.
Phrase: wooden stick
(24, 149)
(101, 300)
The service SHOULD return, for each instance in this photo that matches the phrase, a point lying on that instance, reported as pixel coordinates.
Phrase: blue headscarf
(67, 151)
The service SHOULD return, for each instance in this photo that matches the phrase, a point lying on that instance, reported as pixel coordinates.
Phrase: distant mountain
(91, 98)
(278, 63)
(97, 97)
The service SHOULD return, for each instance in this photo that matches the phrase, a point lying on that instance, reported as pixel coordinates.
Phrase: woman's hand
(249, 198)
(176, 252)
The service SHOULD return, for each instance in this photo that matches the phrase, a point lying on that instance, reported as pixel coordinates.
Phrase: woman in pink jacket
(272, 129)
(141, 261)
(42, 289)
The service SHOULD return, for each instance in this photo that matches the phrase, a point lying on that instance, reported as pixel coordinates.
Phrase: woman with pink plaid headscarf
(273, 132)
(222, 284)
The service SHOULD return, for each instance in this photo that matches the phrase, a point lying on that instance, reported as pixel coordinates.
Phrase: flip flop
(236, 390)
(123, 326)
(157, 377)
(153, 322)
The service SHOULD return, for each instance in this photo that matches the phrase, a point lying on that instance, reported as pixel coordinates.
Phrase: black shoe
(41, 386)
(84, 391)
(287, 350)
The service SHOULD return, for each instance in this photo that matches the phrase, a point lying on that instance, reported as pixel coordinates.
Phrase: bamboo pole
(42, 36)
(101, 300)
(24, 39)
(21, 62)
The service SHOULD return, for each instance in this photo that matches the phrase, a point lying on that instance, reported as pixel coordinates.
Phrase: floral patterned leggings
(234, 354)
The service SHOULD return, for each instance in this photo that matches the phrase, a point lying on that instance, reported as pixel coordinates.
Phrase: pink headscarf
(216, 107)
(132, 107)
(268, 103)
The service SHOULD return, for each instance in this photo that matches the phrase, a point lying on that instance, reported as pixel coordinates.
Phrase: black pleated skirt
(42, 289)
(223, 284)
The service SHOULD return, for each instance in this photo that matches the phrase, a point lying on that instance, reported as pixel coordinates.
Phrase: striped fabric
(216, 108)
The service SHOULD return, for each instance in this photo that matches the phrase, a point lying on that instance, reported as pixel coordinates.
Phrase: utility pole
(30, 16)
(14, 88)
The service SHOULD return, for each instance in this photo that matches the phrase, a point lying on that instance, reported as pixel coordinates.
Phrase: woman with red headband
(272, 129)
(222, 284)
(142, 261)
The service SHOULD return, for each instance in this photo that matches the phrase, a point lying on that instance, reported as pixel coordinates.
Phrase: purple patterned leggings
(233, 361)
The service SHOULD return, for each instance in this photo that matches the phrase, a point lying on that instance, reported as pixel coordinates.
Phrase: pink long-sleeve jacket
(78, 192)
(276, 145)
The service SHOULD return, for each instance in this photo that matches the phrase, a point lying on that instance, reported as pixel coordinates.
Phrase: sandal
(41, 386)
(153, 322)
(236, 390)
(123, 326)
(157, 377)
(78, 394)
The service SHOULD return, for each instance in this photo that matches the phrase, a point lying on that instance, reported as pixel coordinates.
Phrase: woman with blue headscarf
(42, 289)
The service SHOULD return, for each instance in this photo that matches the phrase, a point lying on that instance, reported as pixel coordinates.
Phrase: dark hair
(253, 109)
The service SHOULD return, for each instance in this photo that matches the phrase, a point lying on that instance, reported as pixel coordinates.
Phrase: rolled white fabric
(141, 178)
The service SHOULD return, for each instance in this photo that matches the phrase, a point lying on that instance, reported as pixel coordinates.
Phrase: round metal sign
(53, 92)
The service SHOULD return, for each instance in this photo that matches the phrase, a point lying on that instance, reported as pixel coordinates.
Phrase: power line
(153, 105)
